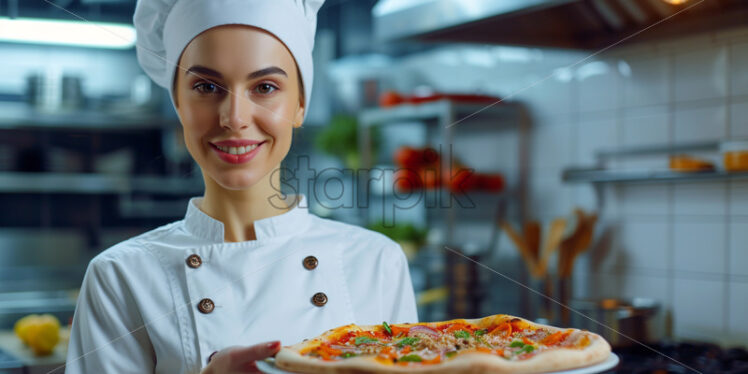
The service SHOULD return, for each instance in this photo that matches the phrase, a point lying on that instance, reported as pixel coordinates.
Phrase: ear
(299, 116)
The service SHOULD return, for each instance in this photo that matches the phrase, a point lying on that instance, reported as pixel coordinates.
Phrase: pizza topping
(365, 340)
(504, 329)
(411, 358)
(556, 338)
(422, 344)
(462, 334)
(424, 329)
(407, 341)
(387, 328)
(516, 344)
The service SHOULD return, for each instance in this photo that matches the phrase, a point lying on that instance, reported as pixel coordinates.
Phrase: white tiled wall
(684, 244)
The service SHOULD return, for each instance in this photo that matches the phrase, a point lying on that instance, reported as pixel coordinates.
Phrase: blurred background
(592, 151)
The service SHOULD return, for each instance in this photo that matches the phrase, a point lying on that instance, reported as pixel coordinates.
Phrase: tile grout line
(728, 208)
(670, 320)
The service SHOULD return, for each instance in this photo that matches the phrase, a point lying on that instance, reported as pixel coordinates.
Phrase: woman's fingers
(239, 360)
(242, 356)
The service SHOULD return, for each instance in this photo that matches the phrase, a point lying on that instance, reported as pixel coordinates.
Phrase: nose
(235, 112)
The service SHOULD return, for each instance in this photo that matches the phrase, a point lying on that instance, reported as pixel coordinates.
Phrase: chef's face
(238, 96)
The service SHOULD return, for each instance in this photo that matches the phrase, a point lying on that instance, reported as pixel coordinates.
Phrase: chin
(236, 179)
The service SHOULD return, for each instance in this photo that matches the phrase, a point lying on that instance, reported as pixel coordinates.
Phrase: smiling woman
(238, 107)
(247, 263)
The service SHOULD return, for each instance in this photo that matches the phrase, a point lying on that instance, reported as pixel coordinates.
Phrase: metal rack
(602, 175)
(449, 118)
(80, 183)
(445, 120)
(24, 116)
(53, 180)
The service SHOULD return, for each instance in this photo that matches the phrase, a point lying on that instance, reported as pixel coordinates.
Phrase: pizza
(494, 344)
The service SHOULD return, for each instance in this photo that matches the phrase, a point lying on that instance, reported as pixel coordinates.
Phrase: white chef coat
(139, 306)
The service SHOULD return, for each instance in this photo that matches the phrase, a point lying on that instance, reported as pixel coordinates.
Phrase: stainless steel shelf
(600, 176)
(658, 149)
(21, 115)
(17, 182)
(436, 110)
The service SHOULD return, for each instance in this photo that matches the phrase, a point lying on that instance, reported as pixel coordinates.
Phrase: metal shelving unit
(80, 183)
(24, 116)
(444, 116)
(602, 175)
(444, 121)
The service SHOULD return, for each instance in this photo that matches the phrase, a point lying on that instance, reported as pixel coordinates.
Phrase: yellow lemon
(23, 326)
(40, 332)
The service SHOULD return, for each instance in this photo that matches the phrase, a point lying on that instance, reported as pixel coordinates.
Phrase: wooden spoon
(551, 243)
(519, 241)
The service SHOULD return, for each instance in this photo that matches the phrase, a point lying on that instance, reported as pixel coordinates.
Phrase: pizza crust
(289, 358)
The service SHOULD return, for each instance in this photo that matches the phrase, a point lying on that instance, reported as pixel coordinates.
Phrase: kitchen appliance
(577, 24)
(700, 357)
(618, 321)
(53, 91)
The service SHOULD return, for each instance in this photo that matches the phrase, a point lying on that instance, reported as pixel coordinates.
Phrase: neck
(239, 209)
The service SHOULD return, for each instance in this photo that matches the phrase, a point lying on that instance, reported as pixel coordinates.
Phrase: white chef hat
(165, 27)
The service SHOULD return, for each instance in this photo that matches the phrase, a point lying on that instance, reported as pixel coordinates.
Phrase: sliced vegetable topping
(411, 358)
(387, 328)
(478, 333)
(462, 334)
(516, 344)
(526, 349)
(365, 340)
(348, 355)
(407, 341)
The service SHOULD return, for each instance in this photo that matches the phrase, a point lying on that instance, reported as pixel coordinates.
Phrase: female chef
(246, 264)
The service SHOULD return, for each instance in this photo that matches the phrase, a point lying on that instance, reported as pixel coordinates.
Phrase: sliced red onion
(424, 329)
(344, 348)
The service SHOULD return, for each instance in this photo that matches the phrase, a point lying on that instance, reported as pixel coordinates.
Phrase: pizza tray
(268, 366)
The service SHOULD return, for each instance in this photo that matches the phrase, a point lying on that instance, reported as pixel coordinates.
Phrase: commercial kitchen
(578, 163)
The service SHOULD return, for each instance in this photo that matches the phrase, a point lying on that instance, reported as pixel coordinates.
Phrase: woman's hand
(236, 360)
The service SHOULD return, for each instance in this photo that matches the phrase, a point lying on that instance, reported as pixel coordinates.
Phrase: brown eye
(265, 88)
(207, 88)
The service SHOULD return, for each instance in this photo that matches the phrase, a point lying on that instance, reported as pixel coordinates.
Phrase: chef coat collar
(291, 222)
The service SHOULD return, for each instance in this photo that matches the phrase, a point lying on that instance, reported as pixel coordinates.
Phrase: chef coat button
(310, 262)
(194, 261)
(319, 299)
(206, 306)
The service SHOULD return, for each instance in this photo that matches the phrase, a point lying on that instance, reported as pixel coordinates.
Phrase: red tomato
(430, 156)
(461, 180)
(407, 180)
(407, 157)
(492, 182)
(429, 177)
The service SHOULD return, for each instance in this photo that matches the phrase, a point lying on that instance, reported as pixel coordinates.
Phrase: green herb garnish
(516, 344)
(364, 340)
(526, 349)
(348, 355)
(407, 341)
(451, 354)
(462, 334)
(387, 328)
(411, 358)
(480, 340)
(479, 333)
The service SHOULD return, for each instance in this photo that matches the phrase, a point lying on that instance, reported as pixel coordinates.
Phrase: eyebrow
(202, 70)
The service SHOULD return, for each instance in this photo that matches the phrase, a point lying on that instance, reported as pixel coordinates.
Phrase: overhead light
(73, 33)
(675, 2)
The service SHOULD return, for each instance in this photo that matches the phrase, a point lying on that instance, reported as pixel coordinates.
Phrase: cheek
(196, 123)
